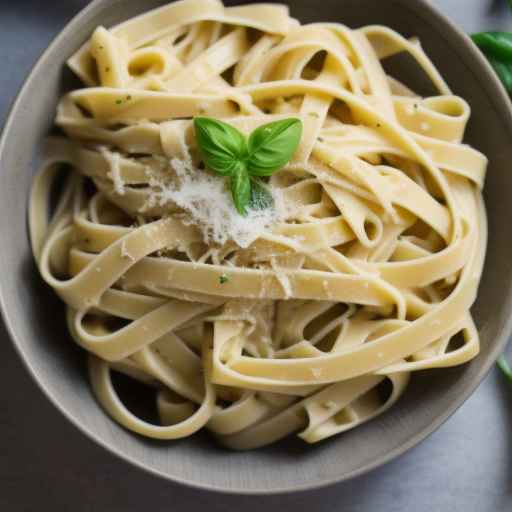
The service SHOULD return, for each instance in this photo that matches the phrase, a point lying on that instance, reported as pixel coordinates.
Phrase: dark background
(47, 465)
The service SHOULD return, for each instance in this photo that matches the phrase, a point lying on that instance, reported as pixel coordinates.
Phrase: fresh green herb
(497, 47)
(261, 198)
(241, 189)
(505, 367)
(223, 279)
(496, 44)
(272, 145)
(222, 146)
(227, 152)
(120, 101)
(504, 72)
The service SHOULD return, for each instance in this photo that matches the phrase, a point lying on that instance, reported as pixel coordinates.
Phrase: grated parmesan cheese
(284, 281)
(327, 290)
(409, 110)
(207, 202)
(282, 278)
(317, 372)
(125, 253)
(114, 161)
(203, 107)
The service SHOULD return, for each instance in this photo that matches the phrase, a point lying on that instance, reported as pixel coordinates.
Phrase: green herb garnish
(497, 47)
(261, 198)
(118, 102)
(223, 279)
(227, 152)
(505, 367)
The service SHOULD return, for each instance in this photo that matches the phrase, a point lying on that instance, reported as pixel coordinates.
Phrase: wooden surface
(46, 464)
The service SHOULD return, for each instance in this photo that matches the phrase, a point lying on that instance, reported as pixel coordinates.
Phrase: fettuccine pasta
(306, 320)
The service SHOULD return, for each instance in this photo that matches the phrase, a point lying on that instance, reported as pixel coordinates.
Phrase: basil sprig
(497, 47)
(229, 153)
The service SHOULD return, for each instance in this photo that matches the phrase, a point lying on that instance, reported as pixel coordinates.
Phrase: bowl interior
(35, 316)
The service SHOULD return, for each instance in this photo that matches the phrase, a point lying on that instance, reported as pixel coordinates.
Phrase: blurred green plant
(497, 47)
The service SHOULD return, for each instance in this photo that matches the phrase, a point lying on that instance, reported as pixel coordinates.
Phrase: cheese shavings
(114, 161)
(207, 203)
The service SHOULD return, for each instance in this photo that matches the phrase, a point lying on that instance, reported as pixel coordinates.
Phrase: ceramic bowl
(35, 317)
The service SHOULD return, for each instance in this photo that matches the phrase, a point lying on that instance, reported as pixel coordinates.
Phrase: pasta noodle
(308, 318)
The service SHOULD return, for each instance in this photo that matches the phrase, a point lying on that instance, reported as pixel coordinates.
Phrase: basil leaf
(505, 367)
(497, 47)
(261, 198)
(221, 145)
(272, 145)
(495, 44)
(241, 190)
(504, 72)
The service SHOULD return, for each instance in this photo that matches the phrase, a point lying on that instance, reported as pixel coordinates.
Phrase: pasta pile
(314, 325)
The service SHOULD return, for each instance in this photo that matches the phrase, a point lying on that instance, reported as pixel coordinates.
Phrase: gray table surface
(46, 464)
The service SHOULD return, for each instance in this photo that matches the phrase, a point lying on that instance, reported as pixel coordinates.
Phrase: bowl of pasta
(258, 257)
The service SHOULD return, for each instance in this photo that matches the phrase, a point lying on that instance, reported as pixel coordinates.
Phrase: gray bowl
(35, 317)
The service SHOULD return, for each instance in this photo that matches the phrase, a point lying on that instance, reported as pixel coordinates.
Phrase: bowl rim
(499, 98)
